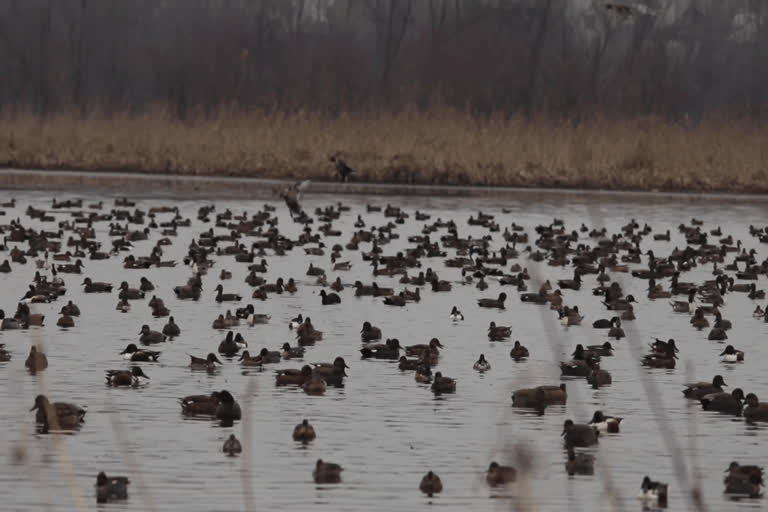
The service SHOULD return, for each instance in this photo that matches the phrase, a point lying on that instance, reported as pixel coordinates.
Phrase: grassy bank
(444, 146)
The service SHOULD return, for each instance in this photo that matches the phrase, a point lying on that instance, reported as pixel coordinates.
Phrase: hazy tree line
(677, 57)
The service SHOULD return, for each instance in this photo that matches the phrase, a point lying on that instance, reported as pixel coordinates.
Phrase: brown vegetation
(441, 145)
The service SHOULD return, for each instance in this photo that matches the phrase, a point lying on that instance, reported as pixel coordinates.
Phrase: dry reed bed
(443, 146)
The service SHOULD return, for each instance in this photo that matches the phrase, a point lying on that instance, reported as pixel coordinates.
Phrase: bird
(731, 355)
(518, 352)
(653, 493)
(576, 434)
(57, 415)
(304, 432)
(481, 364)
(149, 337)
(500, 475)
(36, 360)
(493, 303)
(343, 171)
(369, 333)
(456, 315)
(696, 390)
(579, 463)
(327, 472)
(292, 194)
(605, 423)
(498, 332)
(329, 298)
(232, 446)
(133, 353)
(431, 484)
(131, 378)
(208, 363)
(111, 488)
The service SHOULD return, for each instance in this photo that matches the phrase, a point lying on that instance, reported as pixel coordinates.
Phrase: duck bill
(216, 359)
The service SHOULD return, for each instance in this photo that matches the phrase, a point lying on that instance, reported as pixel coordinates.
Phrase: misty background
(671, 57)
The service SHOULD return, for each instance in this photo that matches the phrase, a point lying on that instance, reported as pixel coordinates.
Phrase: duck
(423, 374)
(493, 303)
(329, 298)
(616, 331)
(598, 377)
(131, 378)
(416, 350)
(270, 356)
(171, 329)
(576, 434)
(95, 287)
(758, 312)
(731, 403)
(540, 396)
(498, 332)
(146, 285)
(456, 315)
(679, 306)
(605, 423)
(395, 300)
(200, 405)
(406, 364)
(208, 363)
(696, 390)
(70, 309)
(369, 333)
(605, 323)
(129, 293)
(229, 346)
(246, 360)
(228, 410)
(5, 356)
(717, 333)
(604, 350)
(333, 373)
(226, 297)
(65, 321)
(390, 349)
(431, 484)
(232, 446)
(289, 352)
(149, 337)
(698, 320)
(66, 416)
(133, 353)
(755, 410)
(579, 463)
(482, 365)
(36, 360)
(731, 355)
(653, 493)
(744, 480)
(519, 352)
(326, 472)
(315, 385)
(442, 384)
(293, 376)
(113, 488)
(304, 432)
(295, 322)
(8, 323)
(500, 475)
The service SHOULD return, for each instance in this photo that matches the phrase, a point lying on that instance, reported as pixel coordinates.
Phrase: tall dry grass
(441, 146)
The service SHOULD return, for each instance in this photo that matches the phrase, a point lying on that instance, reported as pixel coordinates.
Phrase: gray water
(386, 430)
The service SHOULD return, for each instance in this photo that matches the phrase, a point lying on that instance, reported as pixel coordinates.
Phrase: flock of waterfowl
(242, 246)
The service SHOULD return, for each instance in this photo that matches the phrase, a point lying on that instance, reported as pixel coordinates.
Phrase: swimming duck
(604, 350)
(304, 432)
(171, 329)
(146, 285)
(605, 423)
(758, 312)
(95, 287)
(315, 385)
(423, 374)
(270, 356)
(598, 377)
(65, 321)
(442, 384)
(616, 331)
(576, 434)
(481, 365)
(326, 472)
(731, 355)
(456, 315)
(604, 323)
(208, 363)
(246, 359)
(132, 353)
(129, 293)
(111, 488)
(697, 390)
(730, 403)
(755, 410)
(395, 300)
(698, 320)
(289, 352)
(540, 396)
(36, 360)
(500, 475)
(390, 349)
(228, 410)
(332, 373)
(493, 303)
(70, 309)
(57, 415)
(149, 337)
(232, 446)
(416, 350)
(329, 298)
(5, 356)
(498, 332)
(744, 480)
(406, 364)
(296, 322)
(679, 306)
(226, 297)
(717, 333)
(519, 352)
(130, 377)
(200, 405)
(369, 333)
(653, 493)
(229, 346)
(8, 323)
(431, 484)
(293, 376)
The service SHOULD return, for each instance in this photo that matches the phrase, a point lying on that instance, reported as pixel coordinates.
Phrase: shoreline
(232, 187)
